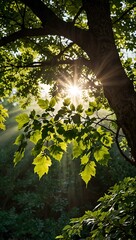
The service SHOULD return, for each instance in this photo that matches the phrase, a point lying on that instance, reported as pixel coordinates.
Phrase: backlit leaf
(79, 108)
(18, 156)
(77, 151)
(84, 159)
(43, 103)
(58, 156)
(36, 135)
(52, 102)
(66, 102)
(2, 126)
(107, 139)
(42, 164)
(63, 145)
(3, 115)
(22, 119)
(100, 153)
(19, 139)
(88, 172)
(72, 107)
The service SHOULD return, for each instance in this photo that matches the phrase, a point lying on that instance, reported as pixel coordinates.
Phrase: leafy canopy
(31, 55)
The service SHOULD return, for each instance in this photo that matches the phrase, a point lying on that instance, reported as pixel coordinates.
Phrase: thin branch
(23, 17)
(105, 119)
(22, 34)
(52, 63)
(120, 150)
(65, 49)
(124, 13)
(78, 14)
(109, 129)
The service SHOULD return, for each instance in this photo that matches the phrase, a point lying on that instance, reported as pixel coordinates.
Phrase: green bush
(113, 218)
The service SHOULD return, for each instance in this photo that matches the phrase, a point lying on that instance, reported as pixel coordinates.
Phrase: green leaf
(22, 119)
(77, 150)
(101, 153)
(32, 114)
(3, 115)
(42, 164)
(59, 237)
(56, 152)
(2, 126)
(107, 139)
(88, 172)
(72, 107)
(63, 146)
(76, 118)
(43, 103)
(3, 111)
(79, 108)
(52, 102)
(58, 156)
(18, 156)
(66, 101)
(89, 112)
(19, 139)
(84, 159)
(100, 130)
(36, 135)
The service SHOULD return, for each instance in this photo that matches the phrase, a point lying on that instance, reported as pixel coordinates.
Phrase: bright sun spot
(74, 91)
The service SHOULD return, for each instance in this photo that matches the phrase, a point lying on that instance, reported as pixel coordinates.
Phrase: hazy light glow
(74, 91)
(44, 89)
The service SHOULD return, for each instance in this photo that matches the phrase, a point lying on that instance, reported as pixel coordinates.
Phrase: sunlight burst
(74, 90)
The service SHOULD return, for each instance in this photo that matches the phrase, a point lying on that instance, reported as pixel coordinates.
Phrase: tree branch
(67, 30)
(22, 34)
(78, 14)
(52, 63)
(124, 13)
(133, 162)
(59, 27)
(45, 14)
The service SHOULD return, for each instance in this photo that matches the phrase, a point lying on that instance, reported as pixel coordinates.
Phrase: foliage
(52, 134)
(3, 116)
(58, 44)
(30, 56)
(30, 208)
(113, 218)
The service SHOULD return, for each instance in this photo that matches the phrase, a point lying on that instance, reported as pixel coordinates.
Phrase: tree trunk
(118, 89)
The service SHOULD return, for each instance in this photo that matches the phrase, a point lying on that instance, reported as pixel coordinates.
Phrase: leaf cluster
(113, 218)
(52, 133)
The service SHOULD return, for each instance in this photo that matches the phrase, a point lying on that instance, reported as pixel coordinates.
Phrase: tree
(43, 41)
